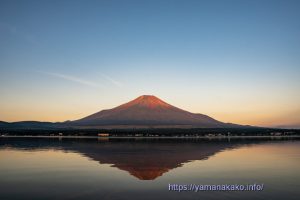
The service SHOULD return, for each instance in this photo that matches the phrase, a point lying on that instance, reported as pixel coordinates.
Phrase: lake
(60, 168)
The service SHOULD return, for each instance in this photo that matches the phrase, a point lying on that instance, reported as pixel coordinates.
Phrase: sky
(235, 60)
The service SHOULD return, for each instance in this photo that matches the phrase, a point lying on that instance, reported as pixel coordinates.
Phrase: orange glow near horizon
(255, 115)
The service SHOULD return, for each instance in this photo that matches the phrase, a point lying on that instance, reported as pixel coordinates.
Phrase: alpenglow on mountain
(146, 111)
(149, 111)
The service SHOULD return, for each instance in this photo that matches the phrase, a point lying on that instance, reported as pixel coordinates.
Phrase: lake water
(144, 168)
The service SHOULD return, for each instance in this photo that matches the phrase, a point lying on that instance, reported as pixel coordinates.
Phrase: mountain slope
(146, 111)
(150, 111)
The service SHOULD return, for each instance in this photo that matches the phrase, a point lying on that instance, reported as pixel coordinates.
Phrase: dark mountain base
(155, 132)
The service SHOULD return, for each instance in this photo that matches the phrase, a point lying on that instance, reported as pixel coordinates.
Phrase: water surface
(143, 169)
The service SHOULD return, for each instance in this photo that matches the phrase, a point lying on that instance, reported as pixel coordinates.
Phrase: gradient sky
(235, 60)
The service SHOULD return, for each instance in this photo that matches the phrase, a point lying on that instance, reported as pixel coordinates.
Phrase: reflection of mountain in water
(145, 159)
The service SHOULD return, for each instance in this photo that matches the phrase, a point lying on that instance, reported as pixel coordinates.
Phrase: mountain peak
(146, 96)
(149, 101)
(148, 110)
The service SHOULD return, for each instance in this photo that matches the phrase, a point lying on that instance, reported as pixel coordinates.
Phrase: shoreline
(150, 137)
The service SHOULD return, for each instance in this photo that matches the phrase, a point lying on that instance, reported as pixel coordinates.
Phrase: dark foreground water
(143, 169)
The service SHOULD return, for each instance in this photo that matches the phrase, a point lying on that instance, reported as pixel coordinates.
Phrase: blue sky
(234, 60)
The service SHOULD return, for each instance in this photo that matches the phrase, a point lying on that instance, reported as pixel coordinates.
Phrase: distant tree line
(155, 132)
